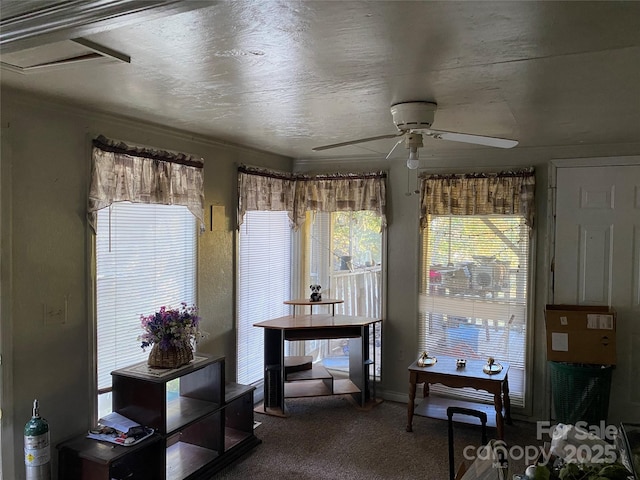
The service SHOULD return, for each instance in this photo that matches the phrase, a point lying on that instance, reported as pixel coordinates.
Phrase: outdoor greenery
(492, 245)
(356, 235)
(452, 238)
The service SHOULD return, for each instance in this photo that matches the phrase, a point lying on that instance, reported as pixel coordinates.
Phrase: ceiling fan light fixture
(413, 162)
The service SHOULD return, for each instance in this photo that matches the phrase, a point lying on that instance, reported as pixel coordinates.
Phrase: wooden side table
(445, 372)
(306, 301)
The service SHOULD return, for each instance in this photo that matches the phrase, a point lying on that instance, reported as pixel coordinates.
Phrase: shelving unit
(202, 423)
(302, 302)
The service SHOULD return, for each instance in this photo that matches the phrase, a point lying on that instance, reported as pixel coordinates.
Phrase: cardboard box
(581, 334)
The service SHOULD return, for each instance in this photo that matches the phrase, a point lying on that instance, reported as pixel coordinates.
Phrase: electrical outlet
(401, 355)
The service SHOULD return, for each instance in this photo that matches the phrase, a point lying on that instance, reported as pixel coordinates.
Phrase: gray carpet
(328, 438)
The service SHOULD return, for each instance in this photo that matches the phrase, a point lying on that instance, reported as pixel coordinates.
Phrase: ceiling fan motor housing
(413, 115)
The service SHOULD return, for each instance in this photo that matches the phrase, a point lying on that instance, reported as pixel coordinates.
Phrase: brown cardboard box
(581, 334)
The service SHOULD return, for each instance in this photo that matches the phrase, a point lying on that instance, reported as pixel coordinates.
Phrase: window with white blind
(146, 257)
(473, 299)
(264, 283)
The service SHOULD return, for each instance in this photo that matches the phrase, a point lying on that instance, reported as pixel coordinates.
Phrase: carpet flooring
(329, 438)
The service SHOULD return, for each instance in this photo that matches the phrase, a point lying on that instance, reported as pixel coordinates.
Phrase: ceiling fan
(413, 120)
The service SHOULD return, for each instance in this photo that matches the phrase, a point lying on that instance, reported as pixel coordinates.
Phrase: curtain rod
(263, 172)
(527, 172)
(107, 145)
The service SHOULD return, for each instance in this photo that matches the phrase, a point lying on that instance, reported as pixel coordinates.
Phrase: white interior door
(597, 262)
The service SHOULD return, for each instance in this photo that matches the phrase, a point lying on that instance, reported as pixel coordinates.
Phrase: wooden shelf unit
(202, 424)
(302, 302)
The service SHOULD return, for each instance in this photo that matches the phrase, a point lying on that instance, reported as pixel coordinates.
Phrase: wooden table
(445, 372)
(280, 384)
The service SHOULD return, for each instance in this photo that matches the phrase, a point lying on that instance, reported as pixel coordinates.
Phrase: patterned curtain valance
(261, 189)
(478, 194)
(142, 175)
(349, 192)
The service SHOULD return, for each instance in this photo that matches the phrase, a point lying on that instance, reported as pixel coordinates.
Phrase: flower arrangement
(170, 327)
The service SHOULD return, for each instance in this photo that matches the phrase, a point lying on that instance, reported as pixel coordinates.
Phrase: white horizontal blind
(145, 258)
(473, 299)
(264, 283)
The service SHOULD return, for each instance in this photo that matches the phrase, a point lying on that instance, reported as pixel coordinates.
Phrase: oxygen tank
(37, 452)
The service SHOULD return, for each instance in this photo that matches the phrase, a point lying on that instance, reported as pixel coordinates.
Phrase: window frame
(92, 295)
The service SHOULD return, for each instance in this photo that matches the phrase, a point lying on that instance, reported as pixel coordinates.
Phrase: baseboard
(392, 396)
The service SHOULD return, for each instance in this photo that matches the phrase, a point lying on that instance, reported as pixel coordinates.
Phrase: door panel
(594, 253)
(597, 262)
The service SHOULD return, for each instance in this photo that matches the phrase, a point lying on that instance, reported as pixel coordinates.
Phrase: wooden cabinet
(202, 423)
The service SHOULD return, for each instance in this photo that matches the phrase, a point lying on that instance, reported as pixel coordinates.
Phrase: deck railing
(361, 290)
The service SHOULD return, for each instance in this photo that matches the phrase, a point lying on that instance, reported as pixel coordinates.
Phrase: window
(264, 283)
(344, 256)
(145, 258)
(268, 202)
(473, 301)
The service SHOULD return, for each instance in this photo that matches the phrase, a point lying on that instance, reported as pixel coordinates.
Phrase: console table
(281, 382)
(445, 372)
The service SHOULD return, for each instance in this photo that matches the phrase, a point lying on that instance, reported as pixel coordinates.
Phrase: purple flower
(170, 327)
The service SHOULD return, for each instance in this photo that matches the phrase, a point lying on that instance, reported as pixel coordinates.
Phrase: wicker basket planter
(173, 357)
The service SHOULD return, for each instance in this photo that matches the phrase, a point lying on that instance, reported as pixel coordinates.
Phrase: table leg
(506, 400)
(411, 404)
(497, 400)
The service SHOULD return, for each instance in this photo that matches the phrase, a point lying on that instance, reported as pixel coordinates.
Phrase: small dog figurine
(316, 296)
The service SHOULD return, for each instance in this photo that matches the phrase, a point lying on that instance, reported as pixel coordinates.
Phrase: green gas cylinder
(37, 451)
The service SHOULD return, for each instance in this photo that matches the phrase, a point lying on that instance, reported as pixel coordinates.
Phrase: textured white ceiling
(286, 76)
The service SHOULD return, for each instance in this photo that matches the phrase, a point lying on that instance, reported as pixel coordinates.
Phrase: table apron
(491, 386)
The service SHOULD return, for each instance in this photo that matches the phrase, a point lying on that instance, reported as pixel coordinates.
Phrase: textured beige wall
(46, 248)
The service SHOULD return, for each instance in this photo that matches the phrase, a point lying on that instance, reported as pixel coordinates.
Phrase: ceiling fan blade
(354, 142)
(468, 138)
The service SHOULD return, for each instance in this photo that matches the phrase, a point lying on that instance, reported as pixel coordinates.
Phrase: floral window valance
(262, 189)
(142, 175)
(478, 194)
